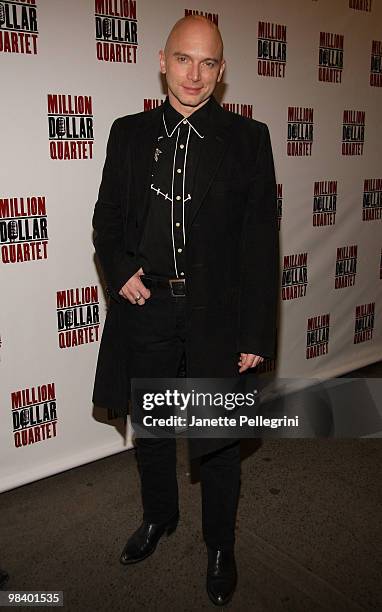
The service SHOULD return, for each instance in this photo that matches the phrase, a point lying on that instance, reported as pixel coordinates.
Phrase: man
(186, 233)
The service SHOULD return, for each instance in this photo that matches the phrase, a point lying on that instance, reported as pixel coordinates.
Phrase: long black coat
(231, 246)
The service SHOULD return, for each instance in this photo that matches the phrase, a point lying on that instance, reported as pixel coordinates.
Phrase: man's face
(193, 64)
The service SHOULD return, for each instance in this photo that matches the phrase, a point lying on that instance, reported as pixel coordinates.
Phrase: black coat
(231, 246)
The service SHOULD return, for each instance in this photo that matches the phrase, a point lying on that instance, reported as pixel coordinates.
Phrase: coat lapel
(211, 156)
(142, 160)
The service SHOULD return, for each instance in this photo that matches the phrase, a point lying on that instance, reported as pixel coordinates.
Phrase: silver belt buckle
(178, 287)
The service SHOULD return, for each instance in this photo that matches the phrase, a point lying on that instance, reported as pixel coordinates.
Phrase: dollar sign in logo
(2, 14)
(69, 317)
(106, 28)
(13, 231)
(24, 417)
(60, 127)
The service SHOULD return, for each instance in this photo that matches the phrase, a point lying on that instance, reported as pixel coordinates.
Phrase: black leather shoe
(144, 540)
(221, 575)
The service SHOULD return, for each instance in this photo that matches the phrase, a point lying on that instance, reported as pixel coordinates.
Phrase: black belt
(176, 287)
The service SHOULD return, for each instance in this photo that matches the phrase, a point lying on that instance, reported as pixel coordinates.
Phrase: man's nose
(194, 73)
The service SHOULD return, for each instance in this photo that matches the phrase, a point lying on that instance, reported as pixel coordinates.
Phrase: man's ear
(162, 61)
(221, 70)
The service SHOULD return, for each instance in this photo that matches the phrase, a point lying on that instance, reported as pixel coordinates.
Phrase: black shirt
(162, 248)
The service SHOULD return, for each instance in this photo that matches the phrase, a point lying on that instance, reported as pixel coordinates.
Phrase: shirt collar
(198, 120)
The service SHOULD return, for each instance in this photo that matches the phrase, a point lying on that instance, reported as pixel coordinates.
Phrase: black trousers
(156, 338)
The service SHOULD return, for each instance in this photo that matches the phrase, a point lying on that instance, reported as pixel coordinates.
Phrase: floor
(308, 532)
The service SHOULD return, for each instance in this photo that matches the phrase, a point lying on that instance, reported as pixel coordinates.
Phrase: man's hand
(134, 288)
(248, 360)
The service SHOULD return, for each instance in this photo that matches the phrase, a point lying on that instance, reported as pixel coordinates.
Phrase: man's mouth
(192, 90)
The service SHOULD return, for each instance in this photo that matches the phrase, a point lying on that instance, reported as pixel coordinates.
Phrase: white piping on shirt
(169, 135)
(172, 202)
(184, 179)
(178, 124)
(158, 191)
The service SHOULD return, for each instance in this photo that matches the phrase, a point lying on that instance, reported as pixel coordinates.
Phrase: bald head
(193, 63)
(191, 25)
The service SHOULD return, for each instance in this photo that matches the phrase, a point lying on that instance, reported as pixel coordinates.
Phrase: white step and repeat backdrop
(310, 69)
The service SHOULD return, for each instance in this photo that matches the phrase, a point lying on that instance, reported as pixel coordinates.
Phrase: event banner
(310, 69)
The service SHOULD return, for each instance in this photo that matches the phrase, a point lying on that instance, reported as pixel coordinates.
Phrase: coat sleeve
(109, 220)
(259, 273)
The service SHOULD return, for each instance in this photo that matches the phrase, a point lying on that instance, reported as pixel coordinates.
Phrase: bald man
(186, 233)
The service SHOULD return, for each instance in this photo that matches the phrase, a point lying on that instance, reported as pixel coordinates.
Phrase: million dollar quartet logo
(271, 49)
(324, 203)
(317, 335)
(331, 57)
(364, 322)
(34, 414)
(116, 29)
(245, 110)
(346, 266)
(23, 229)
(372, 199)
(376, 64)
(353, 132)
(77, 316)
(300, 131)
(294, 276)
(361, 5)
(18, 27)
(70, 124)
(150, 103)
(214, 17)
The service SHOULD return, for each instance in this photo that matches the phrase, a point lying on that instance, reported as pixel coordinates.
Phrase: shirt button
(180, 250)
(182, 273)
(182, 146)
(177, 224)
(178, 197)
(179, 170)
(185, 121)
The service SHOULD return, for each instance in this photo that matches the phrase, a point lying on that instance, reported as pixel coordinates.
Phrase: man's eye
(181, 59)
(210, 64)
